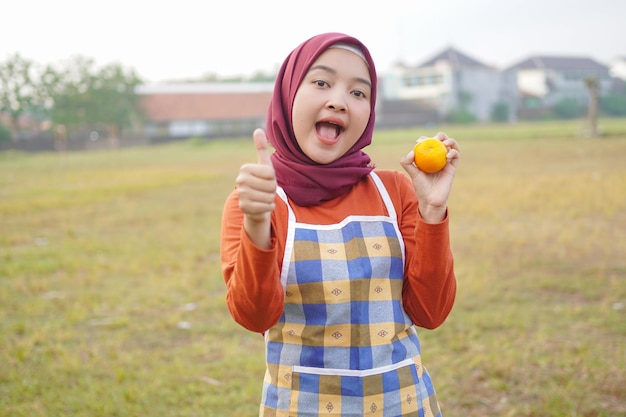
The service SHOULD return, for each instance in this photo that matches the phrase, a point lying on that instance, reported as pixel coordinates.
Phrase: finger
(249, 171)
(260, 142)
(250, 196)
(407, 163)
(453, 157)
(453, 148)
(256, 177)
(253, 207)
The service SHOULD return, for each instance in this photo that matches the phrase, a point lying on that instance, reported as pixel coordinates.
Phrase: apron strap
(291, 232)
(385, 195)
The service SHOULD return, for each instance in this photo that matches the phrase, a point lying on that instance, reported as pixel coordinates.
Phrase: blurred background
(110, 74)
(112, 301)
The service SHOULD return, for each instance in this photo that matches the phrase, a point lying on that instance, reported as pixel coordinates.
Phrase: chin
(324, 159)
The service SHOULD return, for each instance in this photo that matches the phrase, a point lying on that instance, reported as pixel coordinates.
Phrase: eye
(359, 93)
(320, 83)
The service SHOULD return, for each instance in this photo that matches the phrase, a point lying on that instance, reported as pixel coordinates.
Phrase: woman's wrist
(433, 214)
(258, 231)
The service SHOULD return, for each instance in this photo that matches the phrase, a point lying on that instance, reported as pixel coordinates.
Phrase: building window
(187, 128)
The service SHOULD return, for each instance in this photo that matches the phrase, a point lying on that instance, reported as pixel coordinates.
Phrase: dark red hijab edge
(306, 182)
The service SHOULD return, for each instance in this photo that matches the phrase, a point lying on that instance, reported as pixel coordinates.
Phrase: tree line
(71, 97)
(67, 97)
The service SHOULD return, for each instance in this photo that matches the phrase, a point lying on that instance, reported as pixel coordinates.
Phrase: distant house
(452, 81)
(543, 81)
(204, 109)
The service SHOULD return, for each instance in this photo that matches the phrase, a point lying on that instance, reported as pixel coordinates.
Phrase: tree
(261, 77)
(500, 112)
(568, 108)
(462, 113)
(5, 134)
(79, 95)
(593, 86)
(614, 104)
(113, 101)
(18, 91)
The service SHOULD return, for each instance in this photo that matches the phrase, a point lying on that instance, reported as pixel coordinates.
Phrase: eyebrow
(331, 70)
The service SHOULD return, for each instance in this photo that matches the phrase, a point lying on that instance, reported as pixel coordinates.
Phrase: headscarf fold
(306, 182)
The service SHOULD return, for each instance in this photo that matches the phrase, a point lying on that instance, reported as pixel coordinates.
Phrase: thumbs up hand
(256, 189)
(260, 143)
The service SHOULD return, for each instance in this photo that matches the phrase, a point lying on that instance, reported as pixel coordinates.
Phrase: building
(450, 86)
(544, 81)
(204, 109)
(450, 82)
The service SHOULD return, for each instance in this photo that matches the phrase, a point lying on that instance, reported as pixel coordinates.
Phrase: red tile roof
(205, 102)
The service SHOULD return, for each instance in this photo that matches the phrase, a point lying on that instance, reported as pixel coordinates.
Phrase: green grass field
(112, 300)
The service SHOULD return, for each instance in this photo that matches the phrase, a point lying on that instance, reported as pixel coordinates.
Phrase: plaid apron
(344, 345)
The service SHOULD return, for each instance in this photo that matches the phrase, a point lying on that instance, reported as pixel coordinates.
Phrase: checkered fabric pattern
(344, 345)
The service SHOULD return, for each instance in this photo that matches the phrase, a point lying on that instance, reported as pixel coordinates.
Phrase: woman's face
(331, 108)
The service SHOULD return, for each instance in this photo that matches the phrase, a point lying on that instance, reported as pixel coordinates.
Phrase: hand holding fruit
(431, 165)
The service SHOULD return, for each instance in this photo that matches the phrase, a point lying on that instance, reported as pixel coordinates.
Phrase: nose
(336, 104)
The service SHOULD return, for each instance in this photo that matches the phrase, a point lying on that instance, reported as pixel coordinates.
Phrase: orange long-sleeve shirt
(255, 294)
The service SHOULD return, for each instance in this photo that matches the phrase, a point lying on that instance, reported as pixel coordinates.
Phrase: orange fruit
(430, 155)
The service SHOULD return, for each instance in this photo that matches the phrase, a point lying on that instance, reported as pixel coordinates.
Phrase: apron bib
(344, 345)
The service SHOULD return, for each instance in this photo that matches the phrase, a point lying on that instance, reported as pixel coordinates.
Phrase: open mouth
(328, 132)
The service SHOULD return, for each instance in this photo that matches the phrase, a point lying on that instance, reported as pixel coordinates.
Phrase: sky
(166, 40)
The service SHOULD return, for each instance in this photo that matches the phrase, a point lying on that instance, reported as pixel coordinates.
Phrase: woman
(334, 262)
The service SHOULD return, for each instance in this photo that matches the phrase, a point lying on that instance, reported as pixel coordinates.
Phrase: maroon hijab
(305, 181)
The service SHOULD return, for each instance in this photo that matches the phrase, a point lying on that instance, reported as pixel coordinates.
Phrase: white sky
(164, 39)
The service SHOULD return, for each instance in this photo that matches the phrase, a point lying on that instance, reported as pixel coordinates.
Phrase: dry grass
(111, 298)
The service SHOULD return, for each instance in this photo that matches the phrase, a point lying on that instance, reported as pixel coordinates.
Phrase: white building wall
(532, 81)
(417, 83)
(482, 85)
(618, 68)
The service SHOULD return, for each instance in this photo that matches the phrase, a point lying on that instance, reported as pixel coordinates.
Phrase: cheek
(297, 116)
(298, 127)
(297, 124)
(364, 116)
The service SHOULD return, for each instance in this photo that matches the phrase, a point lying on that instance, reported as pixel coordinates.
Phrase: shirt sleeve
(429, 288)
(254, 294)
